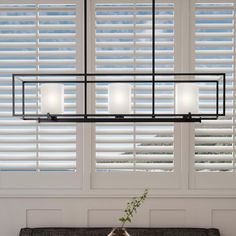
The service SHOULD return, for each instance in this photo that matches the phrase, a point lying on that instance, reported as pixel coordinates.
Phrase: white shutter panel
(17, 50)
(36, 39)
(57, 53)
(214, 51)
(123, 44)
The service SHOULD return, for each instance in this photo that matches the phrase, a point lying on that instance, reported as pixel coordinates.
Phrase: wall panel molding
(167, 218)
(90, 212)
(103, 217)
(225, 220)
(44, 217)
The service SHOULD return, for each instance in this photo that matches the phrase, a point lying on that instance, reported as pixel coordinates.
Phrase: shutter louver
(214, 40)
(123, 44)
(36, 39)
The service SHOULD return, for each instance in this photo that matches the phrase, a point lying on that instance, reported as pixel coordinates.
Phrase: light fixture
(187, 94)
(52, 98)
(186, 98)
(121, 93)
(119, 98)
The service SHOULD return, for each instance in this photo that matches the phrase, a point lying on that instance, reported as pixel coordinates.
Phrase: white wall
(16, 213)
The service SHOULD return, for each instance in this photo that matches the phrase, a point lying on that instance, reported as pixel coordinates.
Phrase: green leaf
(132, 206)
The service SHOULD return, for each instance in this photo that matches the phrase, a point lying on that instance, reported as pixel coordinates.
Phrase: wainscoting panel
(168, 218)
(43, 217)
(225, 219)
(12, 217)
(103, 218)
(16, 213)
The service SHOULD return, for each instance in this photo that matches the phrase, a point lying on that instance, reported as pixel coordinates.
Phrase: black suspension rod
(153, 56)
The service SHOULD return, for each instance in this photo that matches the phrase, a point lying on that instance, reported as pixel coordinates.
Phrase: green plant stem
(132, 208)
(137, 204)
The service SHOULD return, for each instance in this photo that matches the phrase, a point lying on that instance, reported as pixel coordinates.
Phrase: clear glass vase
(118, 232)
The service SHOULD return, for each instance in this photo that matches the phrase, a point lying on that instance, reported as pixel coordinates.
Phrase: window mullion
(183, 62)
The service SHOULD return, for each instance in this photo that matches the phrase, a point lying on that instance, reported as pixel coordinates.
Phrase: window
(214, 50)
(122, 41)
(34, 38)
(48, 38)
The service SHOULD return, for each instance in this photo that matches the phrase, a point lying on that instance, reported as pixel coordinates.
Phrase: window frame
(53, 180)
(204, 181)
(185, 180)
(127, 180)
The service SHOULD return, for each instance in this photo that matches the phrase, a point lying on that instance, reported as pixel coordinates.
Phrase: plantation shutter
(36, 39)
(123, 44)
(214, 51)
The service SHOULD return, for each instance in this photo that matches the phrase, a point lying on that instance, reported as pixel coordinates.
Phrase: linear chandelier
(121, 93)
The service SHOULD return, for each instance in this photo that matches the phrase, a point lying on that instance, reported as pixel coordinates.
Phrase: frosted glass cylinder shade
(186, 98)
(119, 98)
(52, 98)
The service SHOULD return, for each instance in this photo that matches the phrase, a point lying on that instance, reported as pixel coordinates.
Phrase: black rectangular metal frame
(87, 117)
